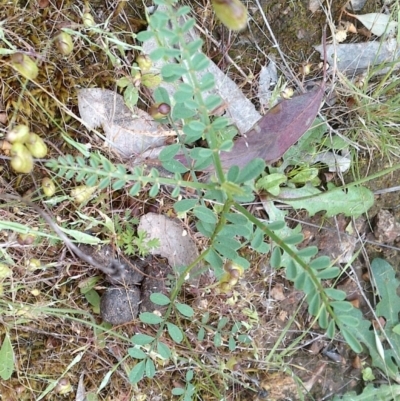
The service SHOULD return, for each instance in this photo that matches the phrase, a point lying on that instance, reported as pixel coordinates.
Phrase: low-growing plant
(218, 211)
(219, 215)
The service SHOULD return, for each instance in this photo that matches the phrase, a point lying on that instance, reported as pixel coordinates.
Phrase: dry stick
(114, 269)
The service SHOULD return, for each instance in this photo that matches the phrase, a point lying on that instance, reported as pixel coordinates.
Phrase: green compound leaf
(233, 173)
(150, 368)
(349, 320)
(207, 82)
(330, 331)
(276, 258)
(150, 318)
(169, 152)
(294, 239)
(135, 189)
(323, 318)
(6, 358)
(185, 205)
(144, 35)
(174, 166)
(172, 72)
(205, 215)
(314, 303)
(94, 299)
(175, 332)
(200, 62)
(336, 295)
(137, 372)
(342, 306)
(351, 340)
(225, 250)
(163, 350)
(308, 252)
(252, 170)
(178, 391)
(184, 309)
(136, 353)
(201, 334)
(215, 261)
(157, 54)
(183, 110)
(320, 263)
(212, 102)
(205, 228)
(328, 273)
(159, 299)
(154, 190)
(276, 225)
(142, 339)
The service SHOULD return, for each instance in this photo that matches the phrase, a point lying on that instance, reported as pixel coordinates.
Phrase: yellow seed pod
(82, 193)
(136, 77)
(36, 146)
(48, 187)
(26, 239)
(64, 44)
(88, 20)
(144, 62)
(5, 271)
(20, 133)
(33, 264)
(24, 65)
(159, 110)
(232, 13)
(21, 158)
(151, 80)
(63, 386)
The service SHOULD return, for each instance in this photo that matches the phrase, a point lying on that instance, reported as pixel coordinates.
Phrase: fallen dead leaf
(129, 131)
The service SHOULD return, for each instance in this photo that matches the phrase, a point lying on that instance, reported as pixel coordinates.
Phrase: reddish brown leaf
(277, 131)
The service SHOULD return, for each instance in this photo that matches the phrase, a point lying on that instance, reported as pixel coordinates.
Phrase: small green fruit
(144, 62)
(5, 271)
(20, 133)
(36, 146)
(82, 193)
(24, 65)
(63, 386)
(48, 187)
(64, 44)
(232, 13)
(33, 264)
(151, 80)
(159, 110)
(88, 20)
(21, 158)
(26, 239)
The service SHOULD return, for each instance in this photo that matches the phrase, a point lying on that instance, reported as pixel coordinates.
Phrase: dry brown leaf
(130, 132)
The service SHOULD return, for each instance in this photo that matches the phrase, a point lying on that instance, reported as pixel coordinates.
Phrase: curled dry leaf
(130, 132)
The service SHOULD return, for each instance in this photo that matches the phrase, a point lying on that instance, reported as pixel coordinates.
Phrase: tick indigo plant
(217, 208)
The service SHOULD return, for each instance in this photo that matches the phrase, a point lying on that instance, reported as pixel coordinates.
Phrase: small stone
(120, 305)
(386, 228)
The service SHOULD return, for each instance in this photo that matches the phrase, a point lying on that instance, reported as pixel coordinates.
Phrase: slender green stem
(291, 253)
